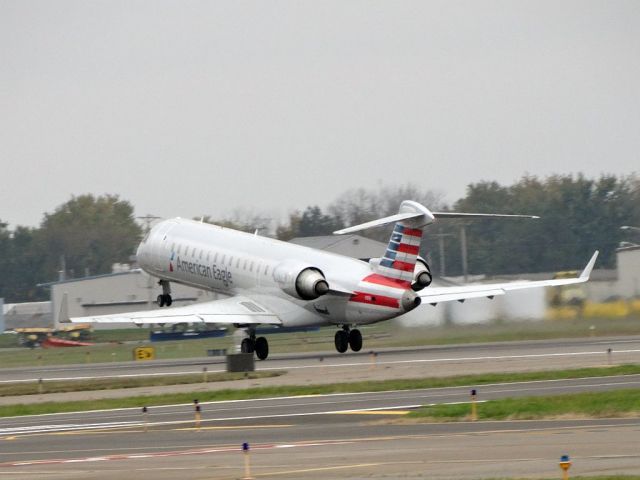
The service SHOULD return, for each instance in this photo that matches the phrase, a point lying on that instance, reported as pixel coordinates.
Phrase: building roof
(354, 246)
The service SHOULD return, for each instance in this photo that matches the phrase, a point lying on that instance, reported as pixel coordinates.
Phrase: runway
(328, 436)
(356, 436)
(428, 360)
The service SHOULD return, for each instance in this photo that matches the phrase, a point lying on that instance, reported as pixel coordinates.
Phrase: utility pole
(440, 236)
(463, 246)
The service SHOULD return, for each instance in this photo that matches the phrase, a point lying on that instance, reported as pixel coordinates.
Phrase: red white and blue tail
(399, 260)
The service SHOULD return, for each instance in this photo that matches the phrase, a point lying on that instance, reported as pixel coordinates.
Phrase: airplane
(276, 283)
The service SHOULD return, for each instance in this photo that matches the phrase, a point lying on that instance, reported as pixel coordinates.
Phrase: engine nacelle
(300, 280)
(421, 275)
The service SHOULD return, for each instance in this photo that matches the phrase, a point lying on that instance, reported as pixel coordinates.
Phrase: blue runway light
(245, 447)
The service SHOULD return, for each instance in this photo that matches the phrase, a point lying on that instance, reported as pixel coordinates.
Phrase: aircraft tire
(342, 341)
(355, 340)
(168, 300)
(161, 300)
(247, 346)
(262, 348)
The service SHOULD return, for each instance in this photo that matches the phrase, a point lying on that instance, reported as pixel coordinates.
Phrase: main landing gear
(258, 345)
(346, 338)
(165, 297)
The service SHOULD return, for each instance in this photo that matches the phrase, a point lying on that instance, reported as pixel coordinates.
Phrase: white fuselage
(230, 262)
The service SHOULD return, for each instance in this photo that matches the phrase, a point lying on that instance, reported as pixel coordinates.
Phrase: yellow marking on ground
(375, 412)
(230, 427)
(10, 438)
(318, 469)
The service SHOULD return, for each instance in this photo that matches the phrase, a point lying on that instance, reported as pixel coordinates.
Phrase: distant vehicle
(32, 337)
(285, 285)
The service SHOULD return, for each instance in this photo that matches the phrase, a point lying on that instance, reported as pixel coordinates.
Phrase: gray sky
(189, 108)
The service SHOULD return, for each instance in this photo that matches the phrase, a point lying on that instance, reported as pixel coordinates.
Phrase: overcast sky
(190, 108)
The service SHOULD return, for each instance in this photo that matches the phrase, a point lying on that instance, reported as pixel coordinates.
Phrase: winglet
(586, 273)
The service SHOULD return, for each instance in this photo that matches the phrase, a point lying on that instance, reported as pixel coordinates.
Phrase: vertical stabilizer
(399, 261)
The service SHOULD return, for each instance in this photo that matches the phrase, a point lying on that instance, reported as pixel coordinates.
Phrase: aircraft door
(160, 247)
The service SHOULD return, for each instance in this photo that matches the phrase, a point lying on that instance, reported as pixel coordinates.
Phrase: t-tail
(399, 261)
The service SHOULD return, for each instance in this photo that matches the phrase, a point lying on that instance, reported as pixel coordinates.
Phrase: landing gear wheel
(247, 346)
(262, 348)
(165, 299)
(342, 341)
(355, 340)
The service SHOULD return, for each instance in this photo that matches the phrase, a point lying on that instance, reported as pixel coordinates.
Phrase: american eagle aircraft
(270, 282)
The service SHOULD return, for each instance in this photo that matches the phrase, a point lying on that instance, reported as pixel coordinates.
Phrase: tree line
(87, 234)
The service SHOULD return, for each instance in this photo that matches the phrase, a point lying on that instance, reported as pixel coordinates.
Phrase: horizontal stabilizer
(380, 222)
(478, 215)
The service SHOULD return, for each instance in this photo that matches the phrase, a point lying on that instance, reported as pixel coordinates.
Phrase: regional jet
(275, 283)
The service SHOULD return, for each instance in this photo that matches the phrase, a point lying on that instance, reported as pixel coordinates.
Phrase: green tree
(90, 234)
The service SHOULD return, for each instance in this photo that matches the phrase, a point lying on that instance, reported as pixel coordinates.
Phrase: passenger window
(238, 263)
(223, 258)
(266, 270)
(258, 269)
(215, 259)
(186, 251)
(251, 267)
(244, 267)
(201, 252)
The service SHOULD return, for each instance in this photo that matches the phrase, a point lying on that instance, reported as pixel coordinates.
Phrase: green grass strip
(62, 386)
(352, 387)
(594, 405)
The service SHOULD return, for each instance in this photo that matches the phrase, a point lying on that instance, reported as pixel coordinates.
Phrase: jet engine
(421, 275)
(300, 280)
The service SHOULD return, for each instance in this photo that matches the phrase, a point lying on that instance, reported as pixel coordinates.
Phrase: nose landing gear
(165, 297)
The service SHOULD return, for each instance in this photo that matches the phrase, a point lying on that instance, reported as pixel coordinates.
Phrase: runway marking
(453, 359)
(124, 375)
(318, 469)
(338, 365)
(199, 451)
(231, 427)
(375, 412)
(267, 399)
(318, 443)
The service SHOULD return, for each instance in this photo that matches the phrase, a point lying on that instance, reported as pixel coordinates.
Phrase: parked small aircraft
(270, 282)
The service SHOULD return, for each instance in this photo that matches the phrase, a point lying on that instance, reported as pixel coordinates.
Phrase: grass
(286, 390)
(384, 334)
(61, 386)
(591, 405)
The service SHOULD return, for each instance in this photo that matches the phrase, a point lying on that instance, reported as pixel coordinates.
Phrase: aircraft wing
(490, 290)
(234, 310)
